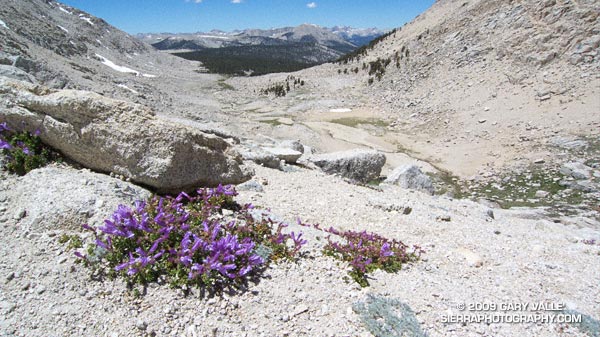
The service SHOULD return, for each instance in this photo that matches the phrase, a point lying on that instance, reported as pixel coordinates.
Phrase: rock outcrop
(121, 137)
(83, 197)
(288, 155)
(411, 177)
(359, 165)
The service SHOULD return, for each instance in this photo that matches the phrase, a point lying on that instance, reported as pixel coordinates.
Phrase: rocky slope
(485, 91)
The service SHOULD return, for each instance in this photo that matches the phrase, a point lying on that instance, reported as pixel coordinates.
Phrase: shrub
(24, 151)
(380, 315)
(366, 252)
(188, 241)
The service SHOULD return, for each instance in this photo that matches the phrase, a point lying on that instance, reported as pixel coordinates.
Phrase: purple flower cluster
(366, 252)
(187, 238)
(590, 242)
(4, 145)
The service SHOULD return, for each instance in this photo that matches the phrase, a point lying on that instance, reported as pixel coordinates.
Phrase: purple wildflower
(298, 241)
(386, 250)
(5, 145)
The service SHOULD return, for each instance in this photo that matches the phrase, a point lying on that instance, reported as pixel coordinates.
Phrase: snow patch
(121, 69)
(115, 67)
(214, 37)
(340, 110)
(127, 88)
(86, 19)
(64, 10)
(2, 24)
(63, 28)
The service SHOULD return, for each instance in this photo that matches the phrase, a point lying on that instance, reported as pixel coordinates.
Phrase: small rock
(490, 214)
(20, 214)
(539, 161)
(445, 218)
(250, 185)
(541, 194)
(481, 121)
(141, 324)
(544, 98)
(290, 156)
(292, 144)
(299, 309)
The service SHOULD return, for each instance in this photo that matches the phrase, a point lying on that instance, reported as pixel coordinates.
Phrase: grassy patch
(354, 122)
(520, 190)
(446, 183)
(225, 86)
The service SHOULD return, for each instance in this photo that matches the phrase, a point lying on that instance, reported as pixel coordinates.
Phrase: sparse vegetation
(354, 122)
(366, 252)
(388, 317)
(225, 86)
(24, 151)
(280, 89)
(362, 51)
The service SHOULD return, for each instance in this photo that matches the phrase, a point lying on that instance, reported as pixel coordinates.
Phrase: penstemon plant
(188, 240)
(366, 252)
(23, 151)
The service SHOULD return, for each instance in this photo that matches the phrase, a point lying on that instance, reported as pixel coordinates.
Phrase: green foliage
(378, 67)
(72, 241)
(280, 89)
(385, 317)
(225, 86)
(24, 151)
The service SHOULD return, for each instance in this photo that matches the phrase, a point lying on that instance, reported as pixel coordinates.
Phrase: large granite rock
(359, 165)
(63, 198)
(411, 177)
(121, 137)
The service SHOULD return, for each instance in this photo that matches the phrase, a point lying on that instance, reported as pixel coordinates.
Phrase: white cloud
(311, 5)
(236, 1)
(196, 1)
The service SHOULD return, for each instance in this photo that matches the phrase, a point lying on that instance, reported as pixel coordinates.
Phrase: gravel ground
(470, 258)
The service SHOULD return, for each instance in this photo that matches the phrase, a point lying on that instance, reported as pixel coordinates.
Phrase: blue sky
(176, 16)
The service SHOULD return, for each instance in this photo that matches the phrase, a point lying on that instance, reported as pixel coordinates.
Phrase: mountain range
(338, 38)
(260, 51)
